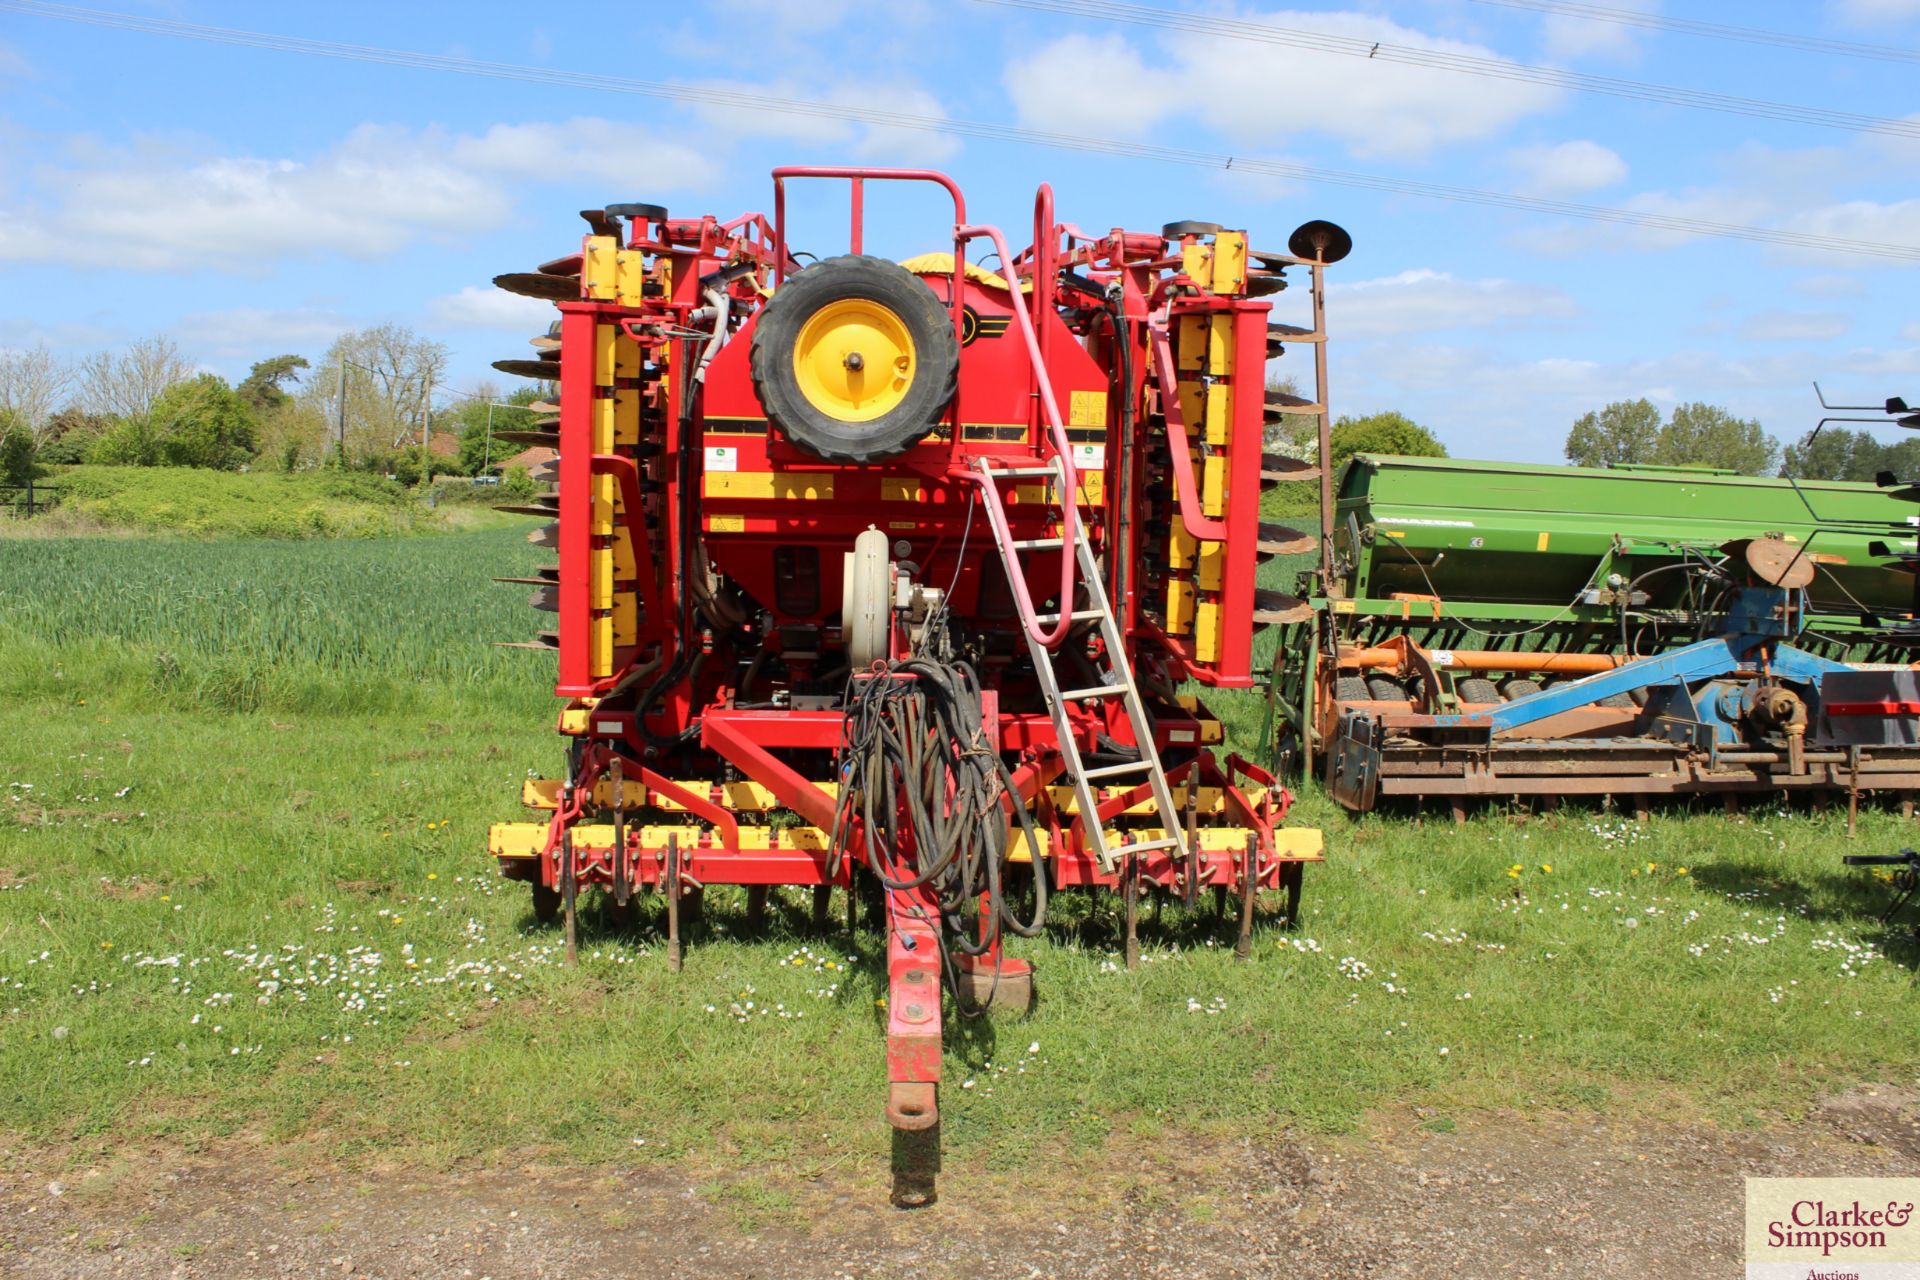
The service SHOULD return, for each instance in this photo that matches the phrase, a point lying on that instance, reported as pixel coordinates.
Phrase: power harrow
(889, 577)
(1502, 630)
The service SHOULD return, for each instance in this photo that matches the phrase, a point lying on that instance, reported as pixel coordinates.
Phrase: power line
(1714, 30)
(732, 99)
(1469, 64)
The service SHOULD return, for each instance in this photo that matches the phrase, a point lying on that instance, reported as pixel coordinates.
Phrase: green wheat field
(244, 793)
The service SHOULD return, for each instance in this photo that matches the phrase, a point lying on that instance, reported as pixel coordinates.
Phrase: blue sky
(248, 202)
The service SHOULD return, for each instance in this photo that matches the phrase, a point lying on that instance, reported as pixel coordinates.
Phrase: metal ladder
(1118, 683)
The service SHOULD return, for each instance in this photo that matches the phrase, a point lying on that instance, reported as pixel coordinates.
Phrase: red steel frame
(747, 739)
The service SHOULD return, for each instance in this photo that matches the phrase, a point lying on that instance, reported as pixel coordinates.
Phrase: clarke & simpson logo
(1833, 1229)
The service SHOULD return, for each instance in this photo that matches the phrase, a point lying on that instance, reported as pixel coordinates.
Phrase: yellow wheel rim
(854, 360)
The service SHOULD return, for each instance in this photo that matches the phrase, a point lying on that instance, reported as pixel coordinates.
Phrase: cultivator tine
(544, 370)
(569, 883)
(531, 284)
(673, 902)
(617, 772)
(1249, 891)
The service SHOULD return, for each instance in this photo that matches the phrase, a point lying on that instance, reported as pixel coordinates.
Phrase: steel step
(1092, 692)
(1147, 846)
(1115, 770)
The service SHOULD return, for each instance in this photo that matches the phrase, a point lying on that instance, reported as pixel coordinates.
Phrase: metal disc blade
(547, 535)
(531, 284)
(567, 266)
(1279, 540)
(551, 439)
(546, 599)
(529, 509)
(545, 370)
(1320, 241)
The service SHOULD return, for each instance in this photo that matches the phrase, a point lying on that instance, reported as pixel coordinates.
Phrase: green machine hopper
(1452, 586)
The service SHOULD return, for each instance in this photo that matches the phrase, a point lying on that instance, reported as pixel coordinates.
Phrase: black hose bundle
(914, 746)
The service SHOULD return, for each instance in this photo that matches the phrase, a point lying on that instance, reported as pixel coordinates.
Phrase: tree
(126, 385)
(1839, 454)
(68, 435)
(1388, 432)
(263, 387)
(478, 450)
(1624, 431)
(18, 465)
(31, 383)
(1705, 435)
(293, 436)
(390, 372)
(203, 422)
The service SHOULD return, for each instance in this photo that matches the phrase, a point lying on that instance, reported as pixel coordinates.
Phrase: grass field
(243, 891)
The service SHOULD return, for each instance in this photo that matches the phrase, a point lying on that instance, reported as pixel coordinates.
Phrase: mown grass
(162, 858)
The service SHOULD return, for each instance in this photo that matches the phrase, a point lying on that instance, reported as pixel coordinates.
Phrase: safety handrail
(1069, 475)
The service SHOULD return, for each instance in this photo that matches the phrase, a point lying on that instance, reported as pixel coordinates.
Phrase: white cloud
(1830, 285)
(1435, 303)
(1568, 168)
(877, 141)
(612, 153)
(14, 67)
(1875, 13)
(256, 332)
(376, 191)
(1260, 94)
(1567, 38)
(1795, 326)
(485, 307)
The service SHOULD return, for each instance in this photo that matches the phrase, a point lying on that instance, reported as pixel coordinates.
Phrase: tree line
(1702, 435)
(367, 403)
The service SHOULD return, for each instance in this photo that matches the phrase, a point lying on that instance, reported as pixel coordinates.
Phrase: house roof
(536, 455)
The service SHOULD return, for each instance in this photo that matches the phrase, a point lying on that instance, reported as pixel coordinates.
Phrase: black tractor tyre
(1476, 690)
(936, 375)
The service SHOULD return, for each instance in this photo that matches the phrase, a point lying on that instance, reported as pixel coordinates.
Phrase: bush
(203, 422)
(198, 502)
(516, 483)
(130, 442)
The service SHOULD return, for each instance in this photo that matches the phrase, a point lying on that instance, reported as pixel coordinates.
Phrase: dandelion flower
(1679, 871)
(1547, 867)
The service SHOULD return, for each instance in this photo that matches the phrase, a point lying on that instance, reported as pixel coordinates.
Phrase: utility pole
(426, 429)
(341, 411)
